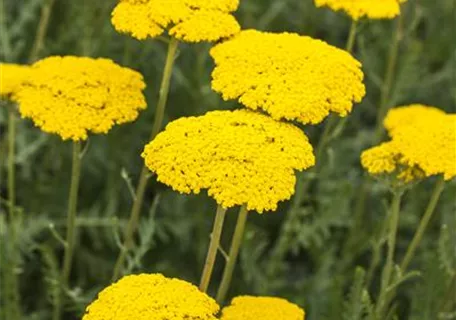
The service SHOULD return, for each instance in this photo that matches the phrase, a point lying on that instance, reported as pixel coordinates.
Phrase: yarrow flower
(264, 308)
(72, 96)
(151, 297)
(289, 76)
(357, 9)
(187, 20)
(423, 144)
(11, 78)
(241, 157)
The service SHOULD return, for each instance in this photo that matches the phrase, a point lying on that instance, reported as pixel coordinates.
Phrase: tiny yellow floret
(151, 297)
(72, 96)
(240, 157)
(371, 9)
(289, 76)
(11, 78)
(186, 20)
(264, 308)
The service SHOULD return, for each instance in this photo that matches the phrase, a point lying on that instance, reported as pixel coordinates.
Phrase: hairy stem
(232, 255)
(141, 188)
(423, 223)
(213, 248)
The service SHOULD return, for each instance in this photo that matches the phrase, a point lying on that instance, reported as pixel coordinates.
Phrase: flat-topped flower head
(11, 78)
(75, 96)
(289, 76)
(186, 20)
(400, 117)
(151, 297)
(240, 157)
(371, 9)
(264, 308)
(423, 144)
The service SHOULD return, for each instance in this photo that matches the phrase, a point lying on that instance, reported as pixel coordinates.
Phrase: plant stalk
(352, 36)
(141, 188)
(232, 255)
(388, 79)
(388, 267)
(70, 239)
(42, 30)
(213, 248)
(438, 189)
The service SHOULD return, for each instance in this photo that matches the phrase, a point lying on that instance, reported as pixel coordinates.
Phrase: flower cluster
(11, 78)
(289, 76)
(151, 297)
(423, 144)
(71, 96)
(187, 20)
(357, 9)
(264, 308)
(241, 157)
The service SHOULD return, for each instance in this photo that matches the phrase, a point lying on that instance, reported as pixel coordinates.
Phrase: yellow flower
(429, 145)
(71, 96)
(289, 76)
(11, 77)
(151, 297)
(241, 157)
(264, 308)
(372, 9)
(399, 117)
(423, 140)
(386, 159)
(187, 20)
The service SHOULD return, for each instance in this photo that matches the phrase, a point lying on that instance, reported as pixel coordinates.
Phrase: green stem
(232, 255)
(70, 240)
(15, 307)
(42, 29)
(388, 80)
(11, 171)
(141, 188)
(213, 248)
(388, 267)
(423, 223)
(352, 36)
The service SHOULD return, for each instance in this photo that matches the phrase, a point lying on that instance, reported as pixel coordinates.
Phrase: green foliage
(319, 265)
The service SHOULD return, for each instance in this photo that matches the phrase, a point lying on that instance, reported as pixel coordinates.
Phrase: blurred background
(317, 271)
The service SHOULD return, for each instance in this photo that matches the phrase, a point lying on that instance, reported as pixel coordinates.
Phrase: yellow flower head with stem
(289, 76)
(11, 78)
(186, 20)
(371, 9)
(151, 297)
(72, 96)
(240, 157)
(264, 308)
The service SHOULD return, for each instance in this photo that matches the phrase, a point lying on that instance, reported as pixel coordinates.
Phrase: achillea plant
(151, 297)
(11, 78)
(371, 9)
(265, 308)
(186, 20)
(423, 144)
(288, 76)
(74, 97)
(241, 157)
